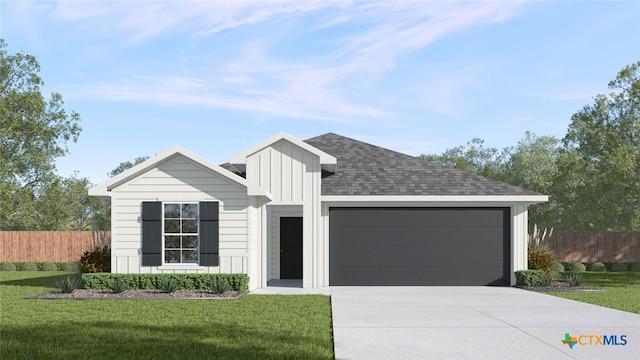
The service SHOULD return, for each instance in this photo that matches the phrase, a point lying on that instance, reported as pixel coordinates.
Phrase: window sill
(181, 267)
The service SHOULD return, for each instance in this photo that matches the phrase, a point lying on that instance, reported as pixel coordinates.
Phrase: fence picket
(55, 246)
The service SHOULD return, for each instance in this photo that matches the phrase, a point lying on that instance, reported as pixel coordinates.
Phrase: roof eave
(438, 199)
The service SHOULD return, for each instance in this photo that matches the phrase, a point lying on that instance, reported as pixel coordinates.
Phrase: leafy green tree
(125, 165)
(606, 139)
(533, 164)
(33, 134)
(473, 157)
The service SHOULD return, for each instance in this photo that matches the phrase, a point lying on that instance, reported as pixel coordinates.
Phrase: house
(329, 210)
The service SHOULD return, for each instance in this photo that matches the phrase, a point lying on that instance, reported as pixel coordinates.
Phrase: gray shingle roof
(365, 169)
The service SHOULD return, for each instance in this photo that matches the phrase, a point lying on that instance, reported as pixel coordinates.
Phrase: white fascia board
(241, 158)
(149, 164)
(432, 200)
(99, 190)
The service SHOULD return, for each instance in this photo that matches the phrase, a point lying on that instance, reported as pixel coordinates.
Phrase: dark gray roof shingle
(365, 169)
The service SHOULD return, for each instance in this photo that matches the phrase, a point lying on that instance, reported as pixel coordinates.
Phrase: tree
(473, 157)
(533, 164)
(33, 134)
(125, 165)
(606, 139)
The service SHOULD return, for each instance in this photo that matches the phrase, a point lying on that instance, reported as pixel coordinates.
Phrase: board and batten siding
(179, 179)
(292, 176)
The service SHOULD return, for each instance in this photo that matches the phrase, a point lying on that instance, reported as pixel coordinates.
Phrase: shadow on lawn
(40, 281)
(111, 340)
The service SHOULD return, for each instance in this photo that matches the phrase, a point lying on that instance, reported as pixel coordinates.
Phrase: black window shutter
(151, 233)
(209, 226)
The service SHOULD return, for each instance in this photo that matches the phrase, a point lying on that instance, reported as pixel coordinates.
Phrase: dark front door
(291, 248)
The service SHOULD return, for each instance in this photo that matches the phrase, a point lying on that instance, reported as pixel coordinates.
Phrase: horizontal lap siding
(180, 180)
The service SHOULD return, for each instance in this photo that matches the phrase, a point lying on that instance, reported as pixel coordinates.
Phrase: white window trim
(178, 266)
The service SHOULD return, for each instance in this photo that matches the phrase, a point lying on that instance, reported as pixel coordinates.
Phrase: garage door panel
(419, 246)
(415, 256)
(411, 216)
(410, 236)
(415, 276)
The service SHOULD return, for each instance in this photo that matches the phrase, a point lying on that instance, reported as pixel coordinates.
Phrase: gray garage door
(419, 246)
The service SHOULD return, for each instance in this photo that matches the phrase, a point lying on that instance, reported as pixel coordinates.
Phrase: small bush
(573, 278)
(169, 285)
(529, 277)
(49, 267)
(70, 266)
(219, 285)
(619, 267)
(118, 285)
(557, 267)
(97, 260)
(635, 266)
(575, 267)
(69, 283)
(7, 266)
(547, 279)
(29, 267)
(539, 258)
(597, 266)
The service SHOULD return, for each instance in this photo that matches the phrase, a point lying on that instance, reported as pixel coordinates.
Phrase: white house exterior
(328, 210)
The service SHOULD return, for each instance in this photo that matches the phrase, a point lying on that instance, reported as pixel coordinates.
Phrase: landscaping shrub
(619, 267)
(118, 285)
(547, 279)
(97, 260)
(49, 267)
(70, 266)
(573, 278)
(29, 267)
(219, 285)
(102, 281)
(575, 267)
(635, 266)
(557, 267)
(7, 266)
(597, 266)
(169, 285)
(69, 283)
(539, 258)
(529, 277)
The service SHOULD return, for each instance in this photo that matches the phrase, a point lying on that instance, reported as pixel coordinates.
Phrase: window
(180, 233)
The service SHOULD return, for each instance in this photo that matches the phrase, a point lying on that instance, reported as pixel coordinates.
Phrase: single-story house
(329, 210)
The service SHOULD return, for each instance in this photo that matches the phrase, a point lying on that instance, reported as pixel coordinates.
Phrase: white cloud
(324, 84)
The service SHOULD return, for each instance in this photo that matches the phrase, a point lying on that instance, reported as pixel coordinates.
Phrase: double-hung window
(180, 233)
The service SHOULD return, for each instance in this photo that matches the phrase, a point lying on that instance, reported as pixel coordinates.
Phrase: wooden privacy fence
(591, 246)
(54, 246)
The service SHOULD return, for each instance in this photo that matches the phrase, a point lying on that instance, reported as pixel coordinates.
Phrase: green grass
(622, 290)
(251, 327)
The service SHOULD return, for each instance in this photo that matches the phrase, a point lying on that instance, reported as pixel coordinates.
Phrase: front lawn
(251, 327)
(622, 290)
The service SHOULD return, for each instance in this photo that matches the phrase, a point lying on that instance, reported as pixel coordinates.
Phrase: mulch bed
(81, 294)
(559, 286)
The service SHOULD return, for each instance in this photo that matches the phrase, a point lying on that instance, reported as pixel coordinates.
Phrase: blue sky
(218, 77)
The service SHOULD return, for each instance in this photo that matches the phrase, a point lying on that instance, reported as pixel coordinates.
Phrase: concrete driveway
(475, 323)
